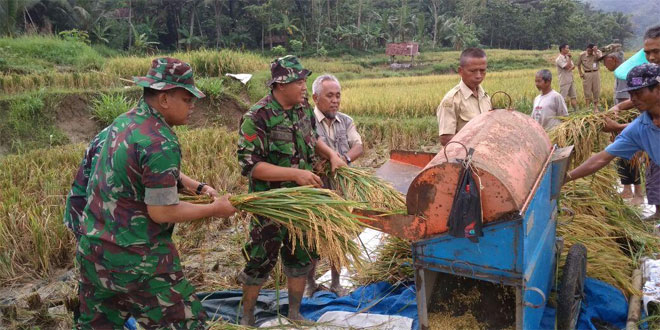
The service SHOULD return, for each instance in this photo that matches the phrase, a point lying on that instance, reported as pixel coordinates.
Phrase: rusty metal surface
(511, 150)
(400, 225)
(532, 191)
(417, 158)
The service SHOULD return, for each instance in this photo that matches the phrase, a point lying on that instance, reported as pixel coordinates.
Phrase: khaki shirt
(459, 106)
(589, 62)
(565, 76)
(329, 128)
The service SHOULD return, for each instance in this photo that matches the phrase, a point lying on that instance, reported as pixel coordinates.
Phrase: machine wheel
(571, 289)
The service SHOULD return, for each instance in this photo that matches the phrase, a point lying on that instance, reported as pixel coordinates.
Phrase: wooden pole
(634, 303)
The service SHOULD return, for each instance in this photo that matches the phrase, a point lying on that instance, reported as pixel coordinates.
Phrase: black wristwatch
(200, 187)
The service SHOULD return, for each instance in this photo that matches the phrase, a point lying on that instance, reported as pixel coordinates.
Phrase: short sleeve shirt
(547, 108)
(341, 123)
(286, 138)
(640, 134)
(459, 106)
(76, 200)
(138, 166)
(589, 62)
(565, 76)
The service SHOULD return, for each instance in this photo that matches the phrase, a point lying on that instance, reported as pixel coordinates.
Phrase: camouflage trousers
(267, 240)
(108, 299)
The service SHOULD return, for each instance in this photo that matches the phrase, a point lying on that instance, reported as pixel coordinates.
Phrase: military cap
(286, 69)
(168, 73)
(641, 76)
(609, 50)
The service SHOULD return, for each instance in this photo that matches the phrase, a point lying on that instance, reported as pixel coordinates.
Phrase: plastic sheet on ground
(603, 304)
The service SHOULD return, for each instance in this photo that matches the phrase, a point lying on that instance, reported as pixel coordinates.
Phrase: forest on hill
(316, 27)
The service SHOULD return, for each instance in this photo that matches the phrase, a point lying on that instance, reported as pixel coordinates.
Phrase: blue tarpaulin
(603, 304)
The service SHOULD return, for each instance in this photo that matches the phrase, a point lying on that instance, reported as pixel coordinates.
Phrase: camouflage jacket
(138, 165)
(77, 197)
(280, 137)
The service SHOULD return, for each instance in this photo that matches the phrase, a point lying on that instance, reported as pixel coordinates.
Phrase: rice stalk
(361, 185)
(317, 218)
(583, 130)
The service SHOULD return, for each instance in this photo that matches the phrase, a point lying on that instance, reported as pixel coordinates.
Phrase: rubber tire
(572, 286)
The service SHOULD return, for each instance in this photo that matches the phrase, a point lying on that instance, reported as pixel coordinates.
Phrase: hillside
(639, 10)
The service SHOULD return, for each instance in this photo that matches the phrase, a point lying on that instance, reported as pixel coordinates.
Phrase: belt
(590, 71)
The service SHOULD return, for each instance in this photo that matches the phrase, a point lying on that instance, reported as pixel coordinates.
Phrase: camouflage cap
(167, 73)
(286, 69)
(641, 76)
(609, 50)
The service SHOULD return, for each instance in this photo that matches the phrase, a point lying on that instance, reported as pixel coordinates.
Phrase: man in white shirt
(550, 104)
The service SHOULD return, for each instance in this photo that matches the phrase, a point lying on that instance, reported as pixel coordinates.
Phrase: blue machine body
(520, 252)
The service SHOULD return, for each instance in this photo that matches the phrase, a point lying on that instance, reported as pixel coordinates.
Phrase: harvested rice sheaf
(318, 217)
(583, 130)
(360, 184)
(612, 231)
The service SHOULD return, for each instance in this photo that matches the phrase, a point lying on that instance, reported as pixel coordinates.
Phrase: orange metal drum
(511, 150)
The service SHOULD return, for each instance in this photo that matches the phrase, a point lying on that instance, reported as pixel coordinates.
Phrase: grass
(416, 97)
(28, 124)
(37, 54)
(108, 106)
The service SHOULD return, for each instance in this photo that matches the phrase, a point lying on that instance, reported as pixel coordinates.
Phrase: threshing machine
(520, 174)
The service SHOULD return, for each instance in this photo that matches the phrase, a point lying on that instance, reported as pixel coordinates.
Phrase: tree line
(319, 27)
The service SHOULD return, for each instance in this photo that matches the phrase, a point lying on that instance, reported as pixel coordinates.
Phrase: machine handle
(537, 290)
(507, 95)
(451, 267)
(450, 142)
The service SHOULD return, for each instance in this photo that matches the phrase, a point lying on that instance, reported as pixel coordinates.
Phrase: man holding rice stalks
(277, 146)
(468, 99)
(588, 67)
(129, 265)
(643, 134)
(565, 69)
(338, 131)
(549, 105)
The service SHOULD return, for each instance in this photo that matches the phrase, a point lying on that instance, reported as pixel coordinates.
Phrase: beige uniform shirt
(459, 106)
(565, 76)
(589, 62)
(330, 126)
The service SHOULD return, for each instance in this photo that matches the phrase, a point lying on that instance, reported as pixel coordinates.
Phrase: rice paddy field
(52, 107)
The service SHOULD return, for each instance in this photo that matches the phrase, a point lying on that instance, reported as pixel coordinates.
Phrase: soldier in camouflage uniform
(276, 148)
(128, 263)
(76, 200)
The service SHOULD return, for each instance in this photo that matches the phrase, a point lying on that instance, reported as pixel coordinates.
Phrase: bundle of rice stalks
(612, 231)
(360, 184)
(393, 263)
(583, 130)
(318, 218)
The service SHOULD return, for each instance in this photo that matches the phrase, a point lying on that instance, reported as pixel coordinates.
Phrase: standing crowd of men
(124, 201)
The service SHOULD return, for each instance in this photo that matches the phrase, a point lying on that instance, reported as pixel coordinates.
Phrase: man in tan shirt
(338, 131)
(588, 67)
(565, 69)
(468, 99)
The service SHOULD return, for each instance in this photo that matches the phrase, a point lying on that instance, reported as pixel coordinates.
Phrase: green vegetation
(108, 106)
(27, 125)
(37, 54)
